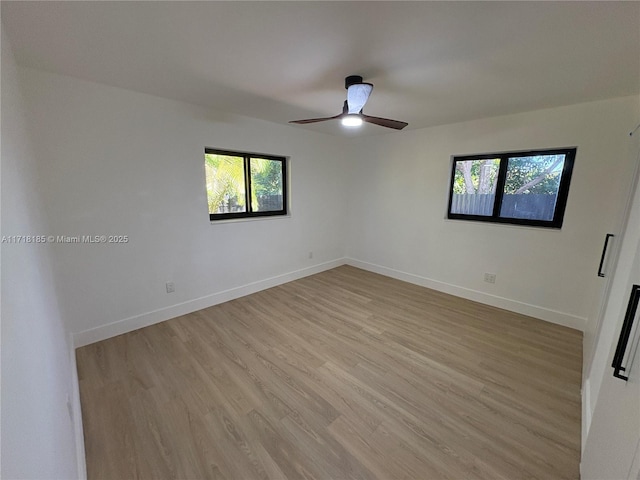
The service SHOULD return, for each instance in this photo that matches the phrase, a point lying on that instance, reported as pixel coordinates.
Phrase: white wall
(118, 162)
(37, 433)
(114, 161)
(399, 193)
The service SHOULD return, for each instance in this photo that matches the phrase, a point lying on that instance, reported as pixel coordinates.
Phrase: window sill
(504, 224)
(250, 219)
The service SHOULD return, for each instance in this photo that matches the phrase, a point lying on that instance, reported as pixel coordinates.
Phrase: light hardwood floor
(344, 374)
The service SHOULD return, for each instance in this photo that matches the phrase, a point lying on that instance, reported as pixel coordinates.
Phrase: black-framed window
(523, 188)
(242, 185)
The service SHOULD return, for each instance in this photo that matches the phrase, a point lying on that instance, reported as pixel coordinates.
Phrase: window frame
(561, 199)
(247, 156)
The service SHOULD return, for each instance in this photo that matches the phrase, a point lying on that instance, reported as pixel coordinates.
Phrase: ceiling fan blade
(385, 122)
(357, 96)
(315, 120)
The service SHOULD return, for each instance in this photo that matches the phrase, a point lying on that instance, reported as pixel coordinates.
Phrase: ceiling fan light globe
(352, 120)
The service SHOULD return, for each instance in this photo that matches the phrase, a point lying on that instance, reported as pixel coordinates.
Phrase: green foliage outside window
(534, 174)
(225, 180)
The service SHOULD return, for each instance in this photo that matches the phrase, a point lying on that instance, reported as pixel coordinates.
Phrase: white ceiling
(432, 63)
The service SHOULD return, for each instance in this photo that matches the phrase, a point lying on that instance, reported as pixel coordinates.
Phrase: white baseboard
(77, 417)
(553, 316)
(119, 327)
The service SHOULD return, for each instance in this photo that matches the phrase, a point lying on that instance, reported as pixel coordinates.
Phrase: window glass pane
(531, 187)
(266, 185)
(474, 186)
(225, 183)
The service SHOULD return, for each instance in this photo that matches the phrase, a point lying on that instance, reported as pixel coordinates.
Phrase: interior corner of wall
(586, 411)
(77, 413)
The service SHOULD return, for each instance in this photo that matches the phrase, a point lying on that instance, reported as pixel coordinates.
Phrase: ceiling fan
(357, 95)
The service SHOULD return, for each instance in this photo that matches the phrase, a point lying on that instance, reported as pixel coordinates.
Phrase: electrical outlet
(171, 287)
(490, 277)
(310, 254)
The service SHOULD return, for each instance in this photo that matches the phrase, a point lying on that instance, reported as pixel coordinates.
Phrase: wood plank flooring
(341, 375)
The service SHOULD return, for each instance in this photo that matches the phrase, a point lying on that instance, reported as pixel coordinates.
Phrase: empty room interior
(320, 240)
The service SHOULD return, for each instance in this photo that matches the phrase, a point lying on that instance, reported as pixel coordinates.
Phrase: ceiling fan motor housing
(352, 80)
